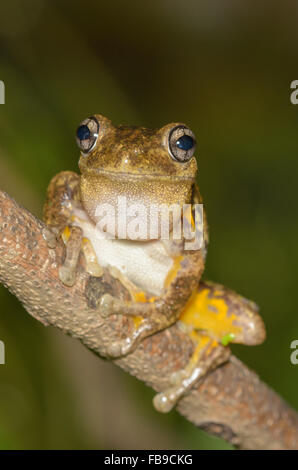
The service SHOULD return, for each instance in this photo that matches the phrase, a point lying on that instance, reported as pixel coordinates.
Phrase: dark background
(222, 67)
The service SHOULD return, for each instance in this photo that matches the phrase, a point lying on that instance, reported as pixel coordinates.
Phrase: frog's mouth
(124, 175)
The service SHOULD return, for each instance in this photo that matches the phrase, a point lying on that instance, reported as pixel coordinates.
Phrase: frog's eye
(87, 134)
(182, 143)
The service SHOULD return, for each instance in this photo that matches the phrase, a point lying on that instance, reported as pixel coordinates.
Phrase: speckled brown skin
(135, 151)
(63, 188)
(135, 162)
(252, 329)
(159, 314)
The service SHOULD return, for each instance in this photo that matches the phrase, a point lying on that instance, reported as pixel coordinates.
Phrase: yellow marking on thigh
(210, 315)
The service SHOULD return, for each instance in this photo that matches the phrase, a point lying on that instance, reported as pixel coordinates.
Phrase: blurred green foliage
(225, 69)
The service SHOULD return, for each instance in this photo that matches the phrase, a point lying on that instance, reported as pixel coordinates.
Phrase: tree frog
(139, 170)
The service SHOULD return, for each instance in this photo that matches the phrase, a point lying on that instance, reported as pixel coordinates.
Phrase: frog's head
(147, 166)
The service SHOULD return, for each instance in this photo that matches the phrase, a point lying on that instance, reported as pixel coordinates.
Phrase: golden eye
(87, 134)
(182, 143)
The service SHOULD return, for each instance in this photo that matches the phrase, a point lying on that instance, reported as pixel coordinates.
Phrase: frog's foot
(129, 344)
(207, 355)
(110, 305)
(67, 275)
(72, 237)
(106, 305)
(92, 266)
(50, 237)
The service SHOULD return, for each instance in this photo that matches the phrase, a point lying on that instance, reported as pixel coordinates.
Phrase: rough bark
(231, 402)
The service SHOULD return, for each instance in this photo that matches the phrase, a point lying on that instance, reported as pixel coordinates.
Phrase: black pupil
(83, 132)
(186, 142)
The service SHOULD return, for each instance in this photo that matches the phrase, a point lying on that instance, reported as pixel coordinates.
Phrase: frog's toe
(94, 269)
(130, 343)
(178, 376)
(208, 354)
(114, 350)
(165, 401)
(106, 305)
(67, 275)
(50, 237)
(120, 348)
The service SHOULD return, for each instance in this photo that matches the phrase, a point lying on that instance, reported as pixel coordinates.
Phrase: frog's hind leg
(223, 315)
(214, 317)
(207, 355)
(146, 321)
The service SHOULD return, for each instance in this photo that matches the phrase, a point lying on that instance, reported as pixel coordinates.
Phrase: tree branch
(231, 402)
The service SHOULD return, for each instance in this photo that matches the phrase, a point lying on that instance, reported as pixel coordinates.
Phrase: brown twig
(231, 402)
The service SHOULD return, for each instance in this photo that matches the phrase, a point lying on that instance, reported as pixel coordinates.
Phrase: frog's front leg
(75, 243)
(63, 198)
(214, 317)
(72, 237)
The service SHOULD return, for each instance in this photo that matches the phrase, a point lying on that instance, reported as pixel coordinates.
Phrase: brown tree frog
(145, 169)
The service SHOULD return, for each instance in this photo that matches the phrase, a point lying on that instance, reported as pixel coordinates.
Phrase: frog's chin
(127, 175)
(104, 197)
